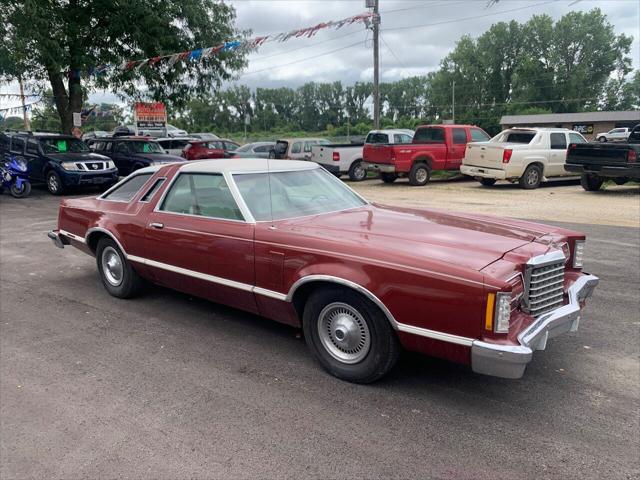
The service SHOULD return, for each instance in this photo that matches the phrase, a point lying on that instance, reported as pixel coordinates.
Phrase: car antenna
(272, 227)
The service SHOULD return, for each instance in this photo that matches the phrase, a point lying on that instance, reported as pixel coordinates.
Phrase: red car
(203, 149)
(434, 147)
(287, 240)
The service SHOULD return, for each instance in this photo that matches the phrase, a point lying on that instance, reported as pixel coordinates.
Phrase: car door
(35, 160)
(197, 241)
(121, 157)
(458, 145)
(557, 154)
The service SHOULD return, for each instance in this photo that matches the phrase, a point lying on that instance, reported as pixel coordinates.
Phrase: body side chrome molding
(72, 236)
(423, 332)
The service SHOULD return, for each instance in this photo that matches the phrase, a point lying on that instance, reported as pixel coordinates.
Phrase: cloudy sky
(415, 34)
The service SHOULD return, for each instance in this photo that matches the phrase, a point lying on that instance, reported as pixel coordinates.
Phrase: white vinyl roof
(246, 165)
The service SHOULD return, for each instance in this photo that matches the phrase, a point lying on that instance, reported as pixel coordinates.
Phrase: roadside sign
(150, 116)
(77, 119)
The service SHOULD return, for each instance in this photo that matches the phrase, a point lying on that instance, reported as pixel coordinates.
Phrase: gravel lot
(169, 386)
(556, 200)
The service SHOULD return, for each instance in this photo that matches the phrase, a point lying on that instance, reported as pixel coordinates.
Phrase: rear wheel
(54, 183)
(349, 335)
(419, 175)
(357, 173)
(591, 183)
(116, 272)
(488, 182)
(388, 177)
(531, 178)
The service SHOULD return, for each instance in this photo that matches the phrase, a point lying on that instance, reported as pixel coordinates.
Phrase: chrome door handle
(156, 225)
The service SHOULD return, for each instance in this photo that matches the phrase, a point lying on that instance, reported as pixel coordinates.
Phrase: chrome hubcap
(421, 175)
(112, 266)
(344, 333)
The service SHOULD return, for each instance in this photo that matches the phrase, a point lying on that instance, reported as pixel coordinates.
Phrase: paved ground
(168, 386)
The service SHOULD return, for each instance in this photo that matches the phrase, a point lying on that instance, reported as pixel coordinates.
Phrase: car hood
(410, 236)
(77, 157)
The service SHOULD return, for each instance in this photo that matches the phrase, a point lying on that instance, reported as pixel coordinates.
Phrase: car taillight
(336, 156)
(506, 155)
(632, 156)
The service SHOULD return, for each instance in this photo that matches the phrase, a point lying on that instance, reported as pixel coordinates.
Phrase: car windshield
(294, 194)
(63, 145)
(145, 147)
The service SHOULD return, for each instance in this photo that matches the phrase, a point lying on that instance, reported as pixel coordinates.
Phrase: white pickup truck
(347, 157)
(526, 155)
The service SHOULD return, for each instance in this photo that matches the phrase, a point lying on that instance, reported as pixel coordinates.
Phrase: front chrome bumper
(510, 361)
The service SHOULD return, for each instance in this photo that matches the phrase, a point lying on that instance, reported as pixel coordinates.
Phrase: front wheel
(419, 175)
(531, 178)
(591, 183)
(357, 173)
(388, 177)
(54, 183)
(116, 272)
(602, 139)
(22, 191)
(349, 335)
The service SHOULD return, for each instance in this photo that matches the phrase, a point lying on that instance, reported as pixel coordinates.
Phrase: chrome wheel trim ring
(344, 333)
(112, 266)
(421, 175)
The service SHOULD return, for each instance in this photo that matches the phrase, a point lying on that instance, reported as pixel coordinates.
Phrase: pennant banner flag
(230, 46)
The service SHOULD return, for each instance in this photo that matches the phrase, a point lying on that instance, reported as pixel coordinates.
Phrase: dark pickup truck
(596, 162)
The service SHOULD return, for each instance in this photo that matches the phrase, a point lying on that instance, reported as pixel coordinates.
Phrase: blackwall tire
(357, 173)
(54, 183)
(531, 178)
(117, 275)
(349, 335)
(21, 192)
(388, 177)
(419, 175)
(591, 183)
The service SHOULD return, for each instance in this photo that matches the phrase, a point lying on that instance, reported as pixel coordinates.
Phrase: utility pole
(25, 118)
(376, 64)
(453, 102)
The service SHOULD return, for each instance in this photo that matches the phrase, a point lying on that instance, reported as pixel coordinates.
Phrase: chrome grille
(544, 282)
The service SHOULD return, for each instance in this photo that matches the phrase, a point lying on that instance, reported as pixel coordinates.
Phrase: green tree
(56, 42)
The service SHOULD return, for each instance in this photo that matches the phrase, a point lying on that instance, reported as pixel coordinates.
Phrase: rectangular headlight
(71, 166)
(578, 254)
(502, 313)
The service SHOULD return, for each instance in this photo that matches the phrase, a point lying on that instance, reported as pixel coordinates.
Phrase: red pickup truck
(434, 147)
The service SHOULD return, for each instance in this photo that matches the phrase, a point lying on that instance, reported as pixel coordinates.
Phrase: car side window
(127, 190)
(307, 145)
(459, 136)
(262, 149)
(17, 144)
(230, 146)
(575, 138)
(296, 147)
(202, 194)
(558, 141)
(32, 147)
(122, 148)
(152, 191)
(479, 135)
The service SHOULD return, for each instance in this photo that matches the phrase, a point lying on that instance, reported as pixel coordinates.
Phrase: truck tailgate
(597, 154)
(322, 154)
(379, 153)
(483, 155)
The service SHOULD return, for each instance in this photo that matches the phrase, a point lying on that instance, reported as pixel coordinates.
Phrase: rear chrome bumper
(379, 167)
(510, 361)
(57, 239)
(483, 172)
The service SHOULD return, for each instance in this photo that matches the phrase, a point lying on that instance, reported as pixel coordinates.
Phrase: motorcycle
(13, 175)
